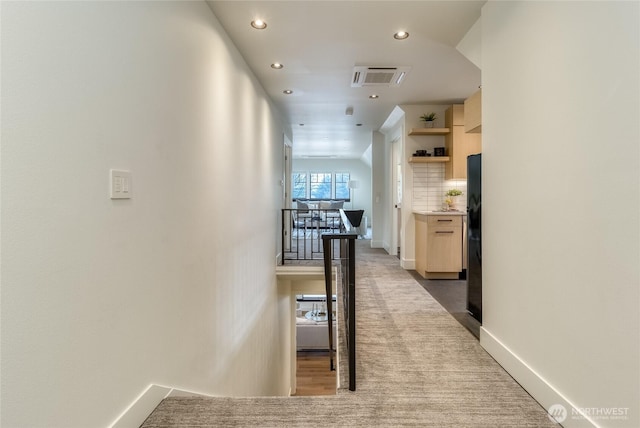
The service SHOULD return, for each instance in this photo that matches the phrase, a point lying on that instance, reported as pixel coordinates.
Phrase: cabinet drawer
(444, 220)
(444, 249)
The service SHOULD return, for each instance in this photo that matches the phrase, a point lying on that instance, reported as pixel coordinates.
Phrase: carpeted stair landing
(416, 367)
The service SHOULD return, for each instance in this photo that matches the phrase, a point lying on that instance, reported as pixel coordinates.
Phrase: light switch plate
(120, 184)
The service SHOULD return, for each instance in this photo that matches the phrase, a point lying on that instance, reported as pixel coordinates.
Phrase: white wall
(360, 171)
(561, 186)
(101, 298)
(379, 203)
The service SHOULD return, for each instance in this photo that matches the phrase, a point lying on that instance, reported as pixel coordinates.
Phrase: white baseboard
(538, 387)
(175, 392)
(377, 244)
(142, 406)
(408, 264)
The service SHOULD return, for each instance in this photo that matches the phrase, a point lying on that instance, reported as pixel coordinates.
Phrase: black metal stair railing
(347, 282)
(302, 233)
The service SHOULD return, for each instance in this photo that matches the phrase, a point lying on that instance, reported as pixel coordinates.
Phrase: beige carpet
(416, 367)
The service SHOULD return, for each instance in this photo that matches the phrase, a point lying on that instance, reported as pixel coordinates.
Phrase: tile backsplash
(429, 188)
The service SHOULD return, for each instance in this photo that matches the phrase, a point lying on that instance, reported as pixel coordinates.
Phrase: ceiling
(320, 42)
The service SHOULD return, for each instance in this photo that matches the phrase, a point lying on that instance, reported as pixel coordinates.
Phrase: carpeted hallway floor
(417, 366)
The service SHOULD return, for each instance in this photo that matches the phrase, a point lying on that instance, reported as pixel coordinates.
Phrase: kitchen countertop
(439, 212)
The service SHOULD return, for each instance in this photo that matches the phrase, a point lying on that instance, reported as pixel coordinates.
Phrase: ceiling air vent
(378, 76)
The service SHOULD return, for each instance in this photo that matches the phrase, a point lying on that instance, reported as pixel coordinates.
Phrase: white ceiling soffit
(471, 44)
(378, 76)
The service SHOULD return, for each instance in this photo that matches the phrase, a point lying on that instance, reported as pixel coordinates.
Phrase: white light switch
(120, 184)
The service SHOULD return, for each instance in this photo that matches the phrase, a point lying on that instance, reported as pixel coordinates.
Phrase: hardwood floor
(313, 374)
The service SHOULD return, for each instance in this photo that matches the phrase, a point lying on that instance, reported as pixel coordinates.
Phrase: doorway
(396, 198)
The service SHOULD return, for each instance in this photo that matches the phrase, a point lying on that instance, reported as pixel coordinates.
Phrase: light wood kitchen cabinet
(421, 244)
(456, 115)
(473, 113)
(458, 144)
(439, 246)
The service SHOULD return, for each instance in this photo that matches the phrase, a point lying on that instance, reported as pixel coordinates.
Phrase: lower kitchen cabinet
(439, 244)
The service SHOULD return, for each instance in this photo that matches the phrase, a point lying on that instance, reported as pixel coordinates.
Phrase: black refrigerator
(474, 236)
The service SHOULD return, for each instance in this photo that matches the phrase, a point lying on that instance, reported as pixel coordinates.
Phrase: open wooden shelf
(429, 131)
(428, 159)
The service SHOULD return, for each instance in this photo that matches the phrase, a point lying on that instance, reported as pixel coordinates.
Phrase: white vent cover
(378, 76)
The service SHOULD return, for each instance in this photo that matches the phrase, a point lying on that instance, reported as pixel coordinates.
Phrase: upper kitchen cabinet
(458, 144)
(473, 113)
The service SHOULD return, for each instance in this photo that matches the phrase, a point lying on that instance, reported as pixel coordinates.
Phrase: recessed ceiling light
(401, 35)
(277, 65)
(374, 96)
(287, 91)
(258, 24)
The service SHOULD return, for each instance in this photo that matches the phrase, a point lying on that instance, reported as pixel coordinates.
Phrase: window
(321, 185)
(342, 185)
(299, 185)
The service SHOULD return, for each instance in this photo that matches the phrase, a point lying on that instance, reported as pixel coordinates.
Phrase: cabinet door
(460, 145)
(457, 167)
(473, 113)
(444, 249)
(454, 116)
(421, 244)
